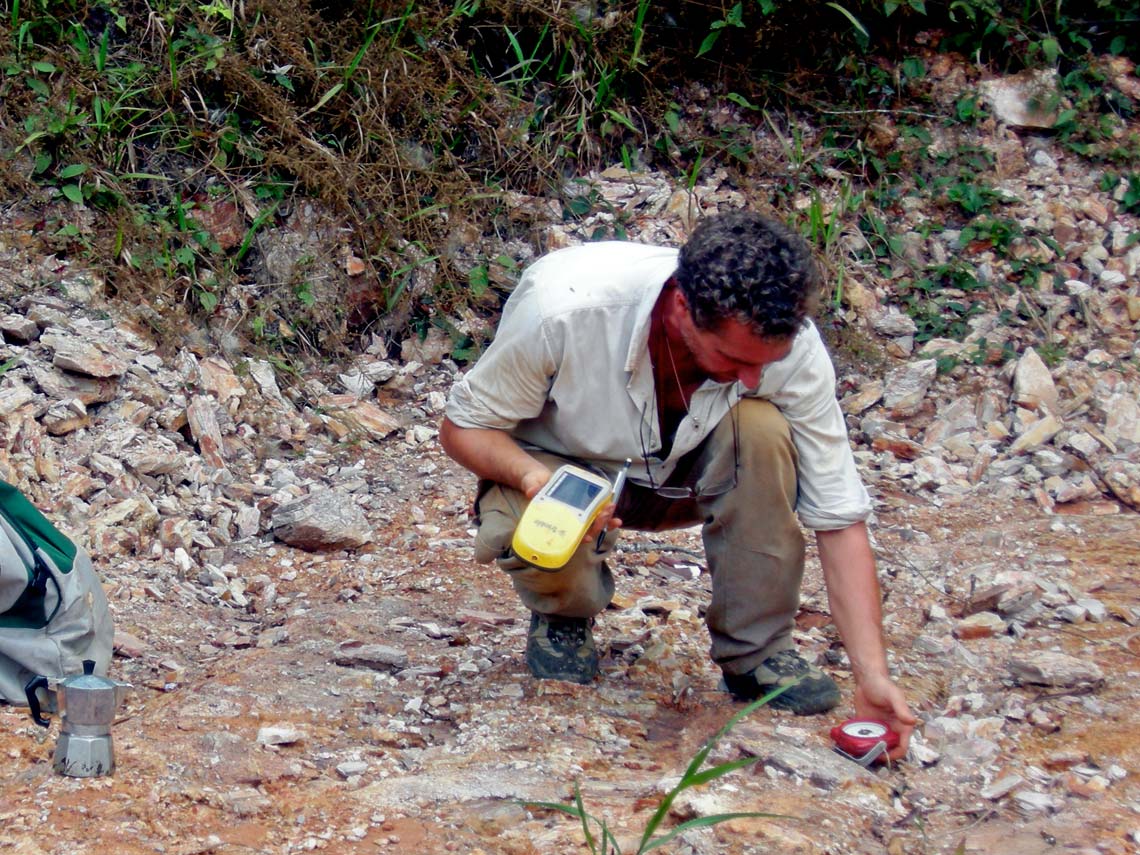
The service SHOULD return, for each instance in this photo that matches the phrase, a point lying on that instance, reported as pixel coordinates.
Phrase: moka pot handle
(37, 682)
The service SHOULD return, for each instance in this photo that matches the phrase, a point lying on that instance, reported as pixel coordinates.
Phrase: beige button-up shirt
(569, 372)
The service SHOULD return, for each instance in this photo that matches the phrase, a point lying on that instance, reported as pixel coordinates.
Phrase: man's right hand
(533, 481)
(494, 455)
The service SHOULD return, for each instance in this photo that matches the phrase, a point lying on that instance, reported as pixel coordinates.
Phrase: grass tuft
(600, 838)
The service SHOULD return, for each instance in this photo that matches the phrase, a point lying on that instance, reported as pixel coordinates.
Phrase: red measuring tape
(864, 740)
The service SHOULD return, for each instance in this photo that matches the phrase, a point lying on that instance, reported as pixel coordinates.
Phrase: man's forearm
(494, 455)
(854, 597)
(856, 608)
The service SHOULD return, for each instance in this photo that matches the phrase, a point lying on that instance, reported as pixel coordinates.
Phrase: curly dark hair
(750, 268)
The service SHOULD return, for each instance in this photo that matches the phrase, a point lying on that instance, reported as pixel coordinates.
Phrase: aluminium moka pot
(87, 707)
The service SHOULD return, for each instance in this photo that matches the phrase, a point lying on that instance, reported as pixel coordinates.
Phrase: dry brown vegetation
(410, 123)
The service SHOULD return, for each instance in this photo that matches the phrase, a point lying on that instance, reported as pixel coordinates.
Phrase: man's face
(730, 351)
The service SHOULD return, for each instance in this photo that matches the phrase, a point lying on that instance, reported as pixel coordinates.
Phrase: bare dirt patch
(437, 756)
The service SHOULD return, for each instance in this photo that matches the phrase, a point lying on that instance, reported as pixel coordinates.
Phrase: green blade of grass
(705, 822)
(328, 96)
(578, 811)
(355, 63)
(692, 773)
(714, 772)
(261, 219)
(638, 34)
(854, 21)
(622, 120)
(581, 808)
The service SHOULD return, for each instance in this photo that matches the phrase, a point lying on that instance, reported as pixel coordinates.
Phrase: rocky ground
(317, 663)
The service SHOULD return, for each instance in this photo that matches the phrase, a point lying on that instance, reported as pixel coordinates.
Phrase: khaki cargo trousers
(753, 542)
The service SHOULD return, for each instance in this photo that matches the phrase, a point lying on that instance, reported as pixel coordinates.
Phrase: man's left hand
(602, 523)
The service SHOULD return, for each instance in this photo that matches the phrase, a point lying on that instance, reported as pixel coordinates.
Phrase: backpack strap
(36, 530)
(25, 521)
(38, 586)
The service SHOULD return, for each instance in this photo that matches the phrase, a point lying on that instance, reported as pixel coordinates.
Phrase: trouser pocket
(497, 513)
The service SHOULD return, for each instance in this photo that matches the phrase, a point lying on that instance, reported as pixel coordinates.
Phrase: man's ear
(678, 301)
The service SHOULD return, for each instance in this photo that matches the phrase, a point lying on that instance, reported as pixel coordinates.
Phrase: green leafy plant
(1033, 34)
(969, 109)
(823, 224)
(596, 831)
(971, 196)
(405, 118)
(586, 201)
(940, 302)
(734, 18)
(998, 232)
(1131, 199)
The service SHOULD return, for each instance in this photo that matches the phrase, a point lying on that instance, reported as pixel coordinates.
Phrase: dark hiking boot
(814, 693)
(561, 648)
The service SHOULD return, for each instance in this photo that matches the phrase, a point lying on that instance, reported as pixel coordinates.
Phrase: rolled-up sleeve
(511, 380)
(831, 493)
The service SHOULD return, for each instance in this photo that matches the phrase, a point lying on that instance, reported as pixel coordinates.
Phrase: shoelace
(568, 633)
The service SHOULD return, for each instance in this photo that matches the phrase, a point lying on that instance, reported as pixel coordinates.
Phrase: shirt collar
(639, 341)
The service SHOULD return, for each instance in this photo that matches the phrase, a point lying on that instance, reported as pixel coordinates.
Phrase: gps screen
(575, 491)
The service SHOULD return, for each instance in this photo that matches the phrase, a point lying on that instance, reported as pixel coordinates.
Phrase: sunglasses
(691, 491)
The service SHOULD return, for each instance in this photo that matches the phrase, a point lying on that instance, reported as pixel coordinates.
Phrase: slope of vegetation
(132, 125)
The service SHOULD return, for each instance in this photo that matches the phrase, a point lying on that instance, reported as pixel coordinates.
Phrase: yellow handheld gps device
(556, 520)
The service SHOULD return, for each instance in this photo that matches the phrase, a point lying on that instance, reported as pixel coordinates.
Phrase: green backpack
(53, 612)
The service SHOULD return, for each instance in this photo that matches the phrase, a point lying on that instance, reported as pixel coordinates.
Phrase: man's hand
(604, 521)
(534, 479)
(494, 455)
(881, 699)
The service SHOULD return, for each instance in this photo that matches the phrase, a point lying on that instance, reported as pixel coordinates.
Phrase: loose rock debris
(319, 664)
